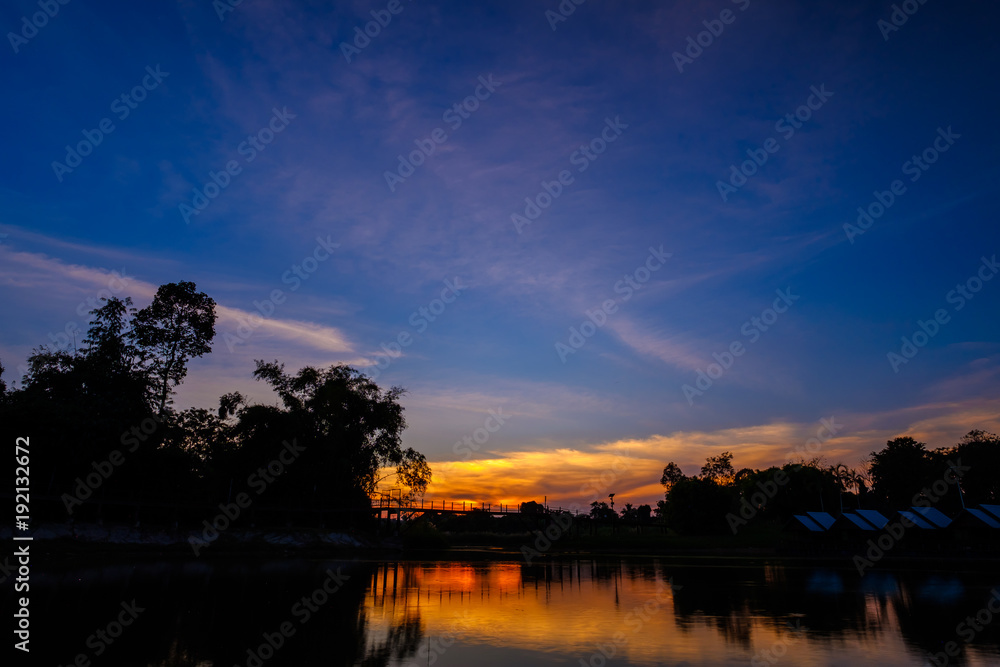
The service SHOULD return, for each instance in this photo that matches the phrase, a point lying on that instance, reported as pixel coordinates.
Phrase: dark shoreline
(61, 553)
(56, 544)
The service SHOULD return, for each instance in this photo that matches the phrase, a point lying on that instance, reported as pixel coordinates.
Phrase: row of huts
(982, 521)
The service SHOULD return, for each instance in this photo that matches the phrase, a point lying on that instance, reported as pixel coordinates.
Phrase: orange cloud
(631, 468)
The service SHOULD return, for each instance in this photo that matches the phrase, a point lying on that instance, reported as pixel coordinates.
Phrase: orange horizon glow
(631, 469)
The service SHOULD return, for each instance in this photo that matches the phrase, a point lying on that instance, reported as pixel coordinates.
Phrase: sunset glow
(577, 610)
(493, 333)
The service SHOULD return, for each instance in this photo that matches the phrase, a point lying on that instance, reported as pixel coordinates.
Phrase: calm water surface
(581, 612)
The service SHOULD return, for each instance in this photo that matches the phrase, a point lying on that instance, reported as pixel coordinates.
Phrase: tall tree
(672, 474)
(978, 452)
(108, 346)
(719, 468)
(698, 505)
(81, 403)
(350, 428)
(177, 326)
(600, 510)
(899, 471)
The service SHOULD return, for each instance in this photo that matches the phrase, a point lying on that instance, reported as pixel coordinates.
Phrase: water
(460, 613)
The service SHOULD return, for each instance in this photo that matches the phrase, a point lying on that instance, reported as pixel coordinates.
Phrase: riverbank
(61, 543)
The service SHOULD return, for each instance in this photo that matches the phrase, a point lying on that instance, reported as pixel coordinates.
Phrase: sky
(587, 239)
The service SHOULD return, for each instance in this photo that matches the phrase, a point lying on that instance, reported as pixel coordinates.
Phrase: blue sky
(615, 411)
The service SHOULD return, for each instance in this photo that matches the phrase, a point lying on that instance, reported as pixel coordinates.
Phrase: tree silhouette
(672, 474)
(350, 427)
(899, 471)
(108, 347)
(532, 507)
(110, 400)
(979, 451)
(698, 505)
(640, 514)
(81, 403)
(177, 326)
(719, 468)
(600, 510)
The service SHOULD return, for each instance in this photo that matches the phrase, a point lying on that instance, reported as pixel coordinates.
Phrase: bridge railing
(391, 503)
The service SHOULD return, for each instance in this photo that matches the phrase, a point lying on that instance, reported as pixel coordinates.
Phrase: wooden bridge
(392, 512)
(385, 504)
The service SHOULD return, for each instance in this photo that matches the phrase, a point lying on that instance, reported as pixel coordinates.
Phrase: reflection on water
(581, 612)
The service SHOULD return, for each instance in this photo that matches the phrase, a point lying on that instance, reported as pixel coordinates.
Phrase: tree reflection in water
(215, 613)
(210, 614)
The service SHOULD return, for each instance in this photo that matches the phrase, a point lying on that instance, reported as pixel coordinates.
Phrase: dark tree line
(905, 469)
(898, 476)
(109, 406)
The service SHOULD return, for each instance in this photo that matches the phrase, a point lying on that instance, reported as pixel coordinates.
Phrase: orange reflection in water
(586, 610)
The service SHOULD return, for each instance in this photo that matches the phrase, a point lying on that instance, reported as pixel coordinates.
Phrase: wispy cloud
(631, 468)
(40, 282)
(668, 349)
